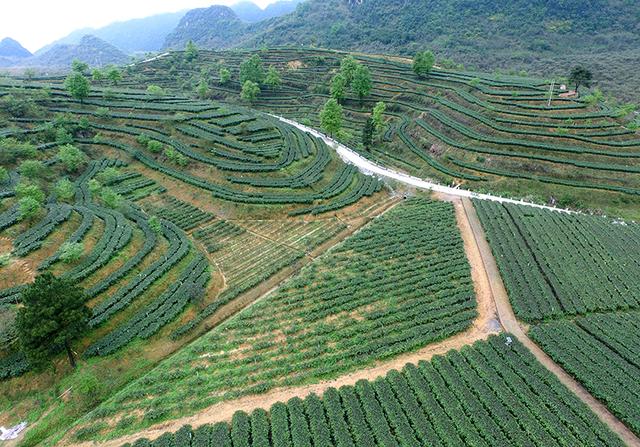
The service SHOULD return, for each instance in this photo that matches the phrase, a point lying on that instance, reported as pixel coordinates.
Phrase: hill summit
(95, 52)
(12, 48)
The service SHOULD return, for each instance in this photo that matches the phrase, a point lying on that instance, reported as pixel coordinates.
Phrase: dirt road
(510, 324)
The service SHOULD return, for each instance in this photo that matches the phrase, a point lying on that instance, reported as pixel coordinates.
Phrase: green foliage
(225, 75)
(71, 157)
(378, 116)
(423, 63)
(102, 112)
(63, 136)
(114, 75)
(190, 51)
(252, 70)
(79, 66)
(28, 208)
(338, 87)
(143, 139)
(580, 75)
(203, 89)
(348, 66)
(176, 157)
(108, 175)
(367, 133)
(250, 91)
(331, 117)
(361, 83)
(32, 169)
(30, 190)
(71, 251)
(58, 302)
(272, 80)
(110, 198)
(155, 91)
(94, 186)
(12, 150)
(18, 104)
(64, 189)
(97, 75)
(154, 146)
(154, 224)
(77, 86)
(4, 175)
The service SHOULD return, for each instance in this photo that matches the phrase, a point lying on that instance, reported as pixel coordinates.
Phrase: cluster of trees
(77, 82)
(253, 75)
(352, 76)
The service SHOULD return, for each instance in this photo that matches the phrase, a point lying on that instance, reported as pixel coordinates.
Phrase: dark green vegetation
(390, 288)
(487, 394)
(545, 38)
(490, 132)
(61, 304)
(556, 264)
(601, 351)
(576, 278)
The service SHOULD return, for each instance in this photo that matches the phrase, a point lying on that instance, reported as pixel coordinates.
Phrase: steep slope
(533, 35)
(12, 48)
(130, 36)
(90, 49)
(213, 27)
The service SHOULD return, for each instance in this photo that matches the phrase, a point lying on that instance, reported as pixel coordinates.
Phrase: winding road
(371, 168)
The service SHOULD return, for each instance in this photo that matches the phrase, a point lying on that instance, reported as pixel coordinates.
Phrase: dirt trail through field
(510, 324)
(484, 325)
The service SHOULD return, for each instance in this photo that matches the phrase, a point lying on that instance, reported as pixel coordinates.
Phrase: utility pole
(553, 84)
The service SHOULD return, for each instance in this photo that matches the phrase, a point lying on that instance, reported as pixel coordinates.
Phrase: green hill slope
(537, 36)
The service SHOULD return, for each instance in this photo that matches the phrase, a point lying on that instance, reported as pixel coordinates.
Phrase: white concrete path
(371, 168)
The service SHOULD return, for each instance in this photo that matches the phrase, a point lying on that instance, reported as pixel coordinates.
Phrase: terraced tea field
(388, 289)
(232, 261)
(575, 279)
(488, 132)
(486, 395)
(145, 208)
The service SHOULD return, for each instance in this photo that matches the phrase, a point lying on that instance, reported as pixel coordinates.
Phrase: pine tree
(52, 316)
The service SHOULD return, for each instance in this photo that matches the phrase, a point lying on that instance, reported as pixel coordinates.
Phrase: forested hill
(539, 36)
(536, 35)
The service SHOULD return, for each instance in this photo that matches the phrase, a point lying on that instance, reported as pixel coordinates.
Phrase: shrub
(31, 168)
(64, 189)
(155, 146)
(71, 251)
(71, 157)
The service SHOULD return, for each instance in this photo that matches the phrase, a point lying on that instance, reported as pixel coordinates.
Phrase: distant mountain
(539, 36)
(222, 26)
(250, 12)
(10, 48)
(213, 27)
(95, 52)
(131, 36)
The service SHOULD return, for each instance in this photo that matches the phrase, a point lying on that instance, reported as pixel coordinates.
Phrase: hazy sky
(35, 23)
